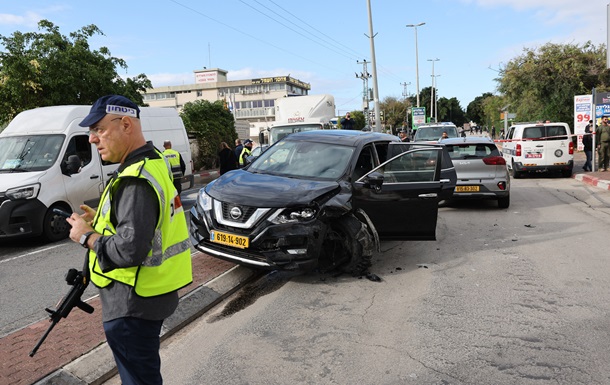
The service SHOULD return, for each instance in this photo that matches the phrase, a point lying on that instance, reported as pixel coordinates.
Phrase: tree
(211, 123)
(394, 112)
(449, 110)
(541, 83)
(475, 111)
(47, 68)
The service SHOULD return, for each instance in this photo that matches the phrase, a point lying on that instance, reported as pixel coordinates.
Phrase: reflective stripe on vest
(167, 266)
(173, 157)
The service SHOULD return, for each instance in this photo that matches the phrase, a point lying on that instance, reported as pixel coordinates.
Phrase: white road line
(32, 253)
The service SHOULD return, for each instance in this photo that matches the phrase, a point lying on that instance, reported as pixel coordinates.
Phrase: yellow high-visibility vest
(168, 264)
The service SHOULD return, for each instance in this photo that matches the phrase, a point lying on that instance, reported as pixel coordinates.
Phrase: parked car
(481, 169)
(321, 200)
(432, 132)
(539, 147)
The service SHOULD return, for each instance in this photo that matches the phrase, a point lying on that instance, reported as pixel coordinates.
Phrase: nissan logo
(235, 212)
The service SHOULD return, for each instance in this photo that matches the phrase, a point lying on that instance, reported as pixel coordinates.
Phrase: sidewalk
(600, 179)
(76, 353)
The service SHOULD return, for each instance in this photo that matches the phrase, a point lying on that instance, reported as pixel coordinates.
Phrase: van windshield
(29, 153)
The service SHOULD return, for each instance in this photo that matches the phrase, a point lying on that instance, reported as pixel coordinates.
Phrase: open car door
(401, 195)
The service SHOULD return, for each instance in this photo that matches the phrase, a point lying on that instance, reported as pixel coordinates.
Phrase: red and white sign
(206, 77)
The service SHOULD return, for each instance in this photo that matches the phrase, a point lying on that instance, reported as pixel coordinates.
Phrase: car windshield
(434, 133)
(280, 132)
(29, 153)
(472, 150)
(301, 159)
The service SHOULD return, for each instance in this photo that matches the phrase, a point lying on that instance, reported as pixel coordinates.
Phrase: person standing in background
(176, 163)
(238, 148)
(347, 123)
(587, 142)
(226, 158)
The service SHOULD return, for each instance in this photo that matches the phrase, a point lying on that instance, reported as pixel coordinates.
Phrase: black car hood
(263, 190)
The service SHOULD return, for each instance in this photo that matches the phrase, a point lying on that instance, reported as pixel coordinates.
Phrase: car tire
(54, 226)
(343, 248)
(504, 202)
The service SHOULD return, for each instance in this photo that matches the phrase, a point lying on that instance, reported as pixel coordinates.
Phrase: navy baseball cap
(110, 104)
(247, 141)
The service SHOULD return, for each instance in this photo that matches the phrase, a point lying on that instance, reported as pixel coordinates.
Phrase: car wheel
(54, 226)
(504, 202)
(343, 248)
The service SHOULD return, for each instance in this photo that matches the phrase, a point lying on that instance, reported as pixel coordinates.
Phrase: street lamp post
(414, 26)
(432, 91)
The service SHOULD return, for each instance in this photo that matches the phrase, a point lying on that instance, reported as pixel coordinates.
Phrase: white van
(47, 162)
(538, 147)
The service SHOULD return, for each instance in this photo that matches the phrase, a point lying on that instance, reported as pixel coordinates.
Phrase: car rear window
(434, 133)
(472, 150)
(545, 133)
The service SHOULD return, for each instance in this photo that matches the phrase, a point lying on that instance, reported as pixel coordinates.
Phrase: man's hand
(79, 226)
(88, 214)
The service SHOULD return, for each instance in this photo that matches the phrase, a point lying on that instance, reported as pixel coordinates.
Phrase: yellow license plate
(466, 188)
(229, 239)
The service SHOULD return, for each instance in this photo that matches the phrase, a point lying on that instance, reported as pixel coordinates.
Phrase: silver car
(481, 169)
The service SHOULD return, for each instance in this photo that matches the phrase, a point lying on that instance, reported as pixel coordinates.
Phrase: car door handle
(428, 196)
(445, 181)
(94, 177)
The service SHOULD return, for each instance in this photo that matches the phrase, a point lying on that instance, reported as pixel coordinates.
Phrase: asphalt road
(514, 296)
(32, 275)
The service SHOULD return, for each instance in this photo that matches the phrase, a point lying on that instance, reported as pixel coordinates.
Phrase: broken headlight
(204, 201)
(293, 215)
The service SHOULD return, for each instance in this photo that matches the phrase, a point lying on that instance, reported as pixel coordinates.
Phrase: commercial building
(252, 101)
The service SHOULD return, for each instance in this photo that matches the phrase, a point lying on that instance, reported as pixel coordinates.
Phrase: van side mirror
(72, 165)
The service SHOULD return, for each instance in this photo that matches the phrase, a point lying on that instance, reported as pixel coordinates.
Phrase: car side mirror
(72, 165)
(374, 180)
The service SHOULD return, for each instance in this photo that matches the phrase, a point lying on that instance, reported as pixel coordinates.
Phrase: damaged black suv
(323, 200)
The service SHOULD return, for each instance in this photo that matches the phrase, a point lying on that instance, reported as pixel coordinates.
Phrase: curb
(98, 365)
(593, 181)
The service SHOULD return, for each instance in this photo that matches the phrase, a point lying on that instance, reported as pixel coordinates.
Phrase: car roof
(341, 137)
(467, 140)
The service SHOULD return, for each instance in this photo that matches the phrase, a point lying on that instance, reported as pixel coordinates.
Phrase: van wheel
(342, 247)
(54, 226)
(516, 174)
(504, 202)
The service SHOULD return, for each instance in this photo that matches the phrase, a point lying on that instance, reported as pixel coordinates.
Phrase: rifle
(79, 282)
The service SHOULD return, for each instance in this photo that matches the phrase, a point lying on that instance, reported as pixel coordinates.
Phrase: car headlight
(293, 215)
(25, 192)
(204, 200)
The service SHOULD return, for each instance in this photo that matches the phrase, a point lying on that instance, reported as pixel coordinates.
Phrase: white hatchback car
(539, 147)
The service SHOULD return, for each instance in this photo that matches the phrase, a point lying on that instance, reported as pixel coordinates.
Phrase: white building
(252, 100)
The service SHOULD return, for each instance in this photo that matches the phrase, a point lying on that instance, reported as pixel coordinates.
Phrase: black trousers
(135, 345)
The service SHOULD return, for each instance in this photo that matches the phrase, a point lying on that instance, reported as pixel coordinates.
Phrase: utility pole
(365, 76)
(432, 104)
(375, 88)
(405, 95)
(414, 26)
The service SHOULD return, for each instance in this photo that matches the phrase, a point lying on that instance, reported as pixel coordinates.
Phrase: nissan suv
(322, 200)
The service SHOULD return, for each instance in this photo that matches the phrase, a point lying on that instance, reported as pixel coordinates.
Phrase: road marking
(28, 254)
